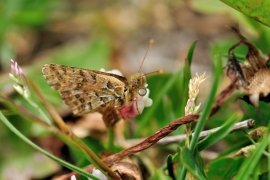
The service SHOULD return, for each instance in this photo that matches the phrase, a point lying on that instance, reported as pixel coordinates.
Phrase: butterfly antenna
(151, 43)
(160, 71)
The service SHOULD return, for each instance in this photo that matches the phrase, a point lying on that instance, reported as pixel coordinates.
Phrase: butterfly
(86, 91)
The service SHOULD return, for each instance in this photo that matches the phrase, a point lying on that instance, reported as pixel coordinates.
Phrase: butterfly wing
(85, 90)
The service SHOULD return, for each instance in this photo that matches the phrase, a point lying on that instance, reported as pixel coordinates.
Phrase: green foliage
(258, 10)
(170, 166)
(250, 163)
(223, 168)
(190, 163)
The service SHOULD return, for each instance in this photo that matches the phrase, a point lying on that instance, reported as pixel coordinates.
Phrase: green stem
(111, 139)
(60, 161)
(188, 133)
(39, 109)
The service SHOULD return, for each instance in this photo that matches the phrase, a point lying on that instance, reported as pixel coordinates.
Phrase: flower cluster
(20, 83)
(194, 84)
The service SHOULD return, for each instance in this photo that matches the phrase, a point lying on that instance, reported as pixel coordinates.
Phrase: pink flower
(18, 77)
(137, 106)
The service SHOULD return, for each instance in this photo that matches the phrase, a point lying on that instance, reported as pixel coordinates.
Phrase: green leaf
(159, 174)
(258, 10)
(219, 134)
(191, 52)
(199, 161)
(168, 109)
(223, 168)
(170, 166)
(189, 163)
(251, 162)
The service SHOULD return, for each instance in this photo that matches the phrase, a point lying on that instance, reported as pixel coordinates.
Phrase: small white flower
(144, 101)
(73, 177)
(97, 173)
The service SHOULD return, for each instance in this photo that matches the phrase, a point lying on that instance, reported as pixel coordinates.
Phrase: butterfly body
(87, 91)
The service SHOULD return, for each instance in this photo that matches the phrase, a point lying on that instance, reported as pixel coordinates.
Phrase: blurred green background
(115, 35)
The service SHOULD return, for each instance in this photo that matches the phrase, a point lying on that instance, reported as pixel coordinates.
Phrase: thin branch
(247, 124)
(151, 140)
(223, 96)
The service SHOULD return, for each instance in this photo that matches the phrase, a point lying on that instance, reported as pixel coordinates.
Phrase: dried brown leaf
(127, 169)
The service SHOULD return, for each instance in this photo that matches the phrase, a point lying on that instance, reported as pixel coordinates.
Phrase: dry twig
(248, 124)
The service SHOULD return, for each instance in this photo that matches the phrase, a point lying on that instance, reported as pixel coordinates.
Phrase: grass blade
(219, 134)
(189, 163)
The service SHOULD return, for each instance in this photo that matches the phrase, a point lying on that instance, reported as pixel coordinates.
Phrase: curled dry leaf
(246, 151)
(253, 75)
(127, 169)
(258, 132)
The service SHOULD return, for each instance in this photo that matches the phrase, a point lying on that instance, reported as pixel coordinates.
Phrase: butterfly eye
(142, 92)
(136, 84)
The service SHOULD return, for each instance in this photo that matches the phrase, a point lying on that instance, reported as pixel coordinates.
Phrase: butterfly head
(137, 83)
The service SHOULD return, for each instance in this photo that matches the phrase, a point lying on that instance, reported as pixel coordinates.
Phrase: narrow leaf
(170, 166)
(199, 161)
(219, 134)
(187, 75)
(191, 52)
(190, 164)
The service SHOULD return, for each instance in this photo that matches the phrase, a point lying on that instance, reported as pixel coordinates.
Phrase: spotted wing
(85, 90)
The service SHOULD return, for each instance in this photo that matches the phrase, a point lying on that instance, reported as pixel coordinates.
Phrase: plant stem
(45, 117)
(111, 139)
(240, 126)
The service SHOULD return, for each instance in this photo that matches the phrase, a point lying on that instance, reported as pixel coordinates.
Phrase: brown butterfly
(87, 91)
